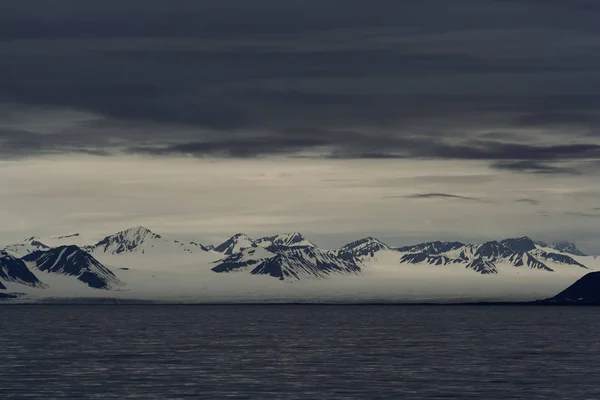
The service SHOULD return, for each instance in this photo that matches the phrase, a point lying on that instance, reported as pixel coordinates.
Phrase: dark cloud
(582, 214)
(476, 80)
(529, 201)
(436, 196)
(237, 148)
(533, 167)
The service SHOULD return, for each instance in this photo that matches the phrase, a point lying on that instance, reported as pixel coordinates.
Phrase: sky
(416, 120)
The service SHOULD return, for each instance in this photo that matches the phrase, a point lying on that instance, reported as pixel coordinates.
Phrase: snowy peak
(431, 248)
(556, 258)
(15, 270)
(288, 263)
(127, 241)
(486, 257)
(296, 263)
(519, 245)
(363, 247)
(294, 239)
(25, 247)
(140, 240)
(564, 247)
(235, 244)
(244, 259)
(73, 261)
(493, 250)
(423, 257)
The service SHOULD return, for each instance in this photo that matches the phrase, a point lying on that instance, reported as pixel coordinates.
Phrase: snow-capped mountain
(73, 261)
(362, 247)
(235, 244)
(557, 258)
(519, 245)
(138, 263)
(431, 248)
(288, 263)
(484, 258)
(15, 270)
(294, 239)
(242, 260)
(563, 247)
(482, 266)
(141, 240)
(25, 247)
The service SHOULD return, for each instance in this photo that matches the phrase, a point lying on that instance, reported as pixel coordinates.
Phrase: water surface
(299, 352)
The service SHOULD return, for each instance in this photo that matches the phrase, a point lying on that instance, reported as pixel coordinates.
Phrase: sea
(299, 352)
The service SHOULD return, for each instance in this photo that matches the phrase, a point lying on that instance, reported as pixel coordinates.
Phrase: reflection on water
(299, 352)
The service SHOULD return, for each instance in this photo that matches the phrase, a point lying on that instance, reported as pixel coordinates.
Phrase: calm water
(299, 352)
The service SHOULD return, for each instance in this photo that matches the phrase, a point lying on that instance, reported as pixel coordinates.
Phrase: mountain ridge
(288, 257)
(74, 261)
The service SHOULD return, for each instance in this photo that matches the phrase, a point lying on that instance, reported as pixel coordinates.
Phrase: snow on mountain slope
(482, 258)
(423, 257)
(556, 258)
(302, 262)
(482, 266)
(76, 239)
(73, 261)
(288, 263)
(153, 267)
(294, 239)
(15, 270)
(235, 244)
(141, 240)
(562, 247)
(243, 260)
(431, 248)
(25, 247)
(363, 247)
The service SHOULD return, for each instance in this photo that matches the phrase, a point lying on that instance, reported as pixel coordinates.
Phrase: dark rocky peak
(529, 261)
(519, 245)
(558, 258)
(15, 270)
(74, 261)
(288, 263)
(203, 247)
(585, 291)
(567, 247)
(67, 236)
(482, 266)
(493, 250)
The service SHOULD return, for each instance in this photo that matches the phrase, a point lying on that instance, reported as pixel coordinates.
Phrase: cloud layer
(516, 81)
(334, 117)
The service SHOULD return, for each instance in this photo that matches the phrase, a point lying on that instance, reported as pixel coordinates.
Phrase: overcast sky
(407, 120)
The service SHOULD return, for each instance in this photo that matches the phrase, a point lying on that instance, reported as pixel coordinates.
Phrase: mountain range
(111, 263)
